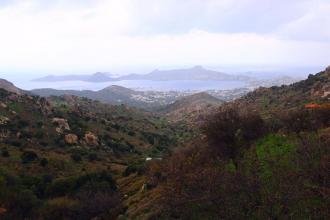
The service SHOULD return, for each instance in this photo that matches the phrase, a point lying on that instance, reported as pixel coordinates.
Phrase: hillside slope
(316, 88)
(191, 108)
(118, 95)
(248, 166)
(67, 153)
(6, 85)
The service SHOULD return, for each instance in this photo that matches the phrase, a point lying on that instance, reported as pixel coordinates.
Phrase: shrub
(15, 143)
(25, 204)
(228, 131)
(39, 134)
(70, 185)
(28, 156)
(76, 157)
(61, 187)
(92, 157)
(43, 162)
(40, 124)
(132, 168)
(60, 208)
(131, 133)
(23, 123)
(5, 152)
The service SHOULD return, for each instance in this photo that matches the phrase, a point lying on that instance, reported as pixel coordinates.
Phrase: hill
(249, 163)
(114, 95)
(316, 88)
(68, 152)
(191, 108)
(118, 95)
(6, 85)
(64, 115)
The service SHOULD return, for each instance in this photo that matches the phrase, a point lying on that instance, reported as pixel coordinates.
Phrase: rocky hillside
(53, 149)
(246, 165)
(40, 122)
(315, 89)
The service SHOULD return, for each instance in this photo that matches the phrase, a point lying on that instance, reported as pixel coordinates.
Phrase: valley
(152, 155)
(164, 110)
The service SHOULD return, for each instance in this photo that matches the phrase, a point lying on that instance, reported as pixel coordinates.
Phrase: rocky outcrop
(91, 139)
(4, 120)
(71, 139)
(61, 124)
(3, 105)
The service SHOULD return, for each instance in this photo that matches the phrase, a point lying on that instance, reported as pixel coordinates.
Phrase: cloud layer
(101, 35)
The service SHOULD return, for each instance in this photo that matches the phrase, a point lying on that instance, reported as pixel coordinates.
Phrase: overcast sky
(60, 36)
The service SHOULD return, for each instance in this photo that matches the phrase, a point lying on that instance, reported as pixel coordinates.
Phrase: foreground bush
(248, 174)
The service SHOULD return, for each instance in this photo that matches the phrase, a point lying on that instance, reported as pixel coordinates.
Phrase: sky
(58, 36)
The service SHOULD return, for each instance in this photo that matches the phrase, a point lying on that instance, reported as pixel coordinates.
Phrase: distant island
(96, 77)
(194, 73)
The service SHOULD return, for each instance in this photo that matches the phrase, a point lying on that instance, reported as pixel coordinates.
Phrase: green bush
(43, 162)
(92, 157)
(132, 168)
(29, 156)
(76, 157)
(5, 152)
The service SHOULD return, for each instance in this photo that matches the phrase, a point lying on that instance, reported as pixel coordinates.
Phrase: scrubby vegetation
(43, 197)
(265, 156)
(249, 170)
(61, 157)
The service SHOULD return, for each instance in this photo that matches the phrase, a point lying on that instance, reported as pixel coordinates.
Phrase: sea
(139, 85)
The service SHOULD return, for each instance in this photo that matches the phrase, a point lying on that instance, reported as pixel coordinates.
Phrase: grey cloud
(232, 16)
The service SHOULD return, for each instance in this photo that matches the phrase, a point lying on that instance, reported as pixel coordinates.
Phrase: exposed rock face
(4, 120)
(91, 139)
(320, 90)
(62, 124)
(44, 106)
(71, 139)
(3, 105)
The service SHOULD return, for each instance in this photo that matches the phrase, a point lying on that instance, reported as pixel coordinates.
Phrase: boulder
(71, 139)
(3, 210)
(62, 124)
(3, 105)
(4, 120)
(91, 139)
